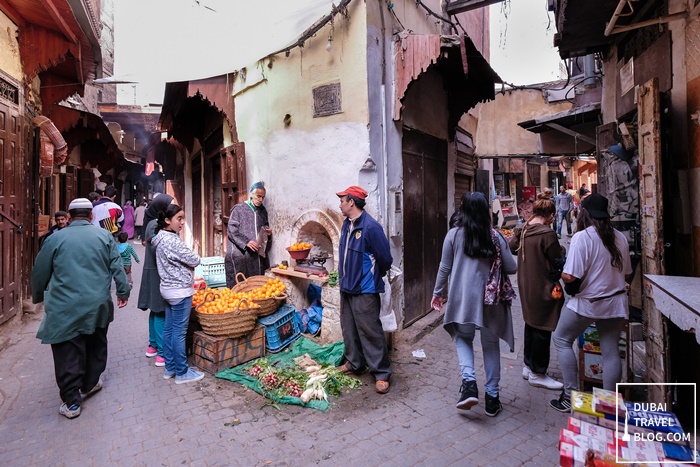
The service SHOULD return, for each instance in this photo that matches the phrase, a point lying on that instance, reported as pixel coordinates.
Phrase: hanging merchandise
(46, 156)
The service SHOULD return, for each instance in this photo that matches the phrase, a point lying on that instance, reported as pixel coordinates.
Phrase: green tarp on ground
(331, 354)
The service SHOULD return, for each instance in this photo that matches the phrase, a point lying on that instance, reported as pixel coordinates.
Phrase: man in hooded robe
(243, 250)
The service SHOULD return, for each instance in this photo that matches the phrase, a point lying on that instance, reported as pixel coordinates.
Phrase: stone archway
(321, 229)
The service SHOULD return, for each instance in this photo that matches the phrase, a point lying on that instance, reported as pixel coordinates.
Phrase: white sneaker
(544, 381)
(526, 372)
(92, 391)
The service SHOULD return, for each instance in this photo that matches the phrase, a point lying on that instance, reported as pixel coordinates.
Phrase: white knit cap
(80, 203)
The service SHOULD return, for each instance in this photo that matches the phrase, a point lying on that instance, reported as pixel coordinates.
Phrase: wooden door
(197, 199)
(233, 178)
(86, 183)
(68, 187)
(11, 204)
(425, 218)
(651, 210)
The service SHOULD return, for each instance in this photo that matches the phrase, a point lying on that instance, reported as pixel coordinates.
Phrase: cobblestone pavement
(141, 419)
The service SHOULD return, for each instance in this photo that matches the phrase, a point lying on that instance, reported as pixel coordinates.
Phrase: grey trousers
(570, 326)
(363, 335)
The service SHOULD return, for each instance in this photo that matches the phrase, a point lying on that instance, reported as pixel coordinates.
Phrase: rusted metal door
(11, 203)
(651, 210)
(425, 218)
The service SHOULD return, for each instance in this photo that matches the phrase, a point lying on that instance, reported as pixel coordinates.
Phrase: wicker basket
(231, 324)
(267, 305)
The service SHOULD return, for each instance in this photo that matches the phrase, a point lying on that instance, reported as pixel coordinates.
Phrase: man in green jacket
(72, 275)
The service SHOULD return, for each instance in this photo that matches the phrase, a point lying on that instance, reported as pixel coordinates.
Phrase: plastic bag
(386, 314)
(262, 242)
(309, 319)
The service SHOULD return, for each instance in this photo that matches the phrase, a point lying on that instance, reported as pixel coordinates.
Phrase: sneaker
(69, 412)
(151, 351)
(92, 391)
(190, 377)
(559, 236)
(544, 381)
(526, 372)
(160, 361)
(469, 395)
(168, 374)
(493, 406)
(562, 404)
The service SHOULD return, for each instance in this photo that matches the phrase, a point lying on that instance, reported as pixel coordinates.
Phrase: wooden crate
(213, 354)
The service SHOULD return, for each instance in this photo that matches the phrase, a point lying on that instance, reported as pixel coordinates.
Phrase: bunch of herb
(337, 380)
(333, 278)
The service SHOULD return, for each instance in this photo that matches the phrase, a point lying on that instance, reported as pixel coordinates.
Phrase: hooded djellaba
(540, 258)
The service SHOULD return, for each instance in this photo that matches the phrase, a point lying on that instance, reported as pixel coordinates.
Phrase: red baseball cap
(356, 191)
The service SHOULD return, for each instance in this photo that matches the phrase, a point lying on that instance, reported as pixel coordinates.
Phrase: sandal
(382, 387)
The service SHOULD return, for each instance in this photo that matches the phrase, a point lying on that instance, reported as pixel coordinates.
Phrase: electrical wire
(390, 7)
(342, 8)
(432, 13)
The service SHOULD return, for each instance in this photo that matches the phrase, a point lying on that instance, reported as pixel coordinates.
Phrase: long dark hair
(474, 219)
(606, 232)
(170, 212)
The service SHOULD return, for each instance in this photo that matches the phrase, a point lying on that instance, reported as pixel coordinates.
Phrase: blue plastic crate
(280, 328)
(212, 270)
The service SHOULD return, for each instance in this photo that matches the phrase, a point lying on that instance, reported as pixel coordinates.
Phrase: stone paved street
(141, 419)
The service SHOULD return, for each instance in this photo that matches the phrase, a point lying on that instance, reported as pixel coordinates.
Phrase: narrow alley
(139, 419)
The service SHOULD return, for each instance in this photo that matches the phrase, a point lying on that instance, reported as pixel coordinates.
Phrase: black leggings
(536, 352)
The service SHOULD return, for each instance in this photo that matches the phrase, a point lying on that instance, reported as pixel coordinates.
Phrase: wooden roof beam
(575, 134)
(56, 15)
(11, 13)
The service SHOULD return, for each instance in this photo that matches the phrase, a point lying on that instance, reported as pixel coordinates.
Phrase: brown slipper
(382, 386)
(345, 369)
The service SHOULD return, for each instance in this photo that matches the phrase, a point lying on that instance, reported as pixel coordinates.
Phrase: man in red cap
(365, 257)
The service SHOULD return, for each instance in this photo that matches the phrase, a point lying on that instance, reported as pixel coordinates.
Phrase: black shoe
(563, 404)
(469, 395)
(493, 406)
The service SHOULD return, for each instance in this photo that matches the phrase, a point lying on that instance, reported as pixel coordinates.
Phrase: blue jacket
(365, 256)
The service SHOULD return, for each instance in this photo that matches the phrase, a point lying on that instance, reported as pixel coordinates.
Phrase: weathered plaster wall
(9, 49)
(305, 163)
(498, 132)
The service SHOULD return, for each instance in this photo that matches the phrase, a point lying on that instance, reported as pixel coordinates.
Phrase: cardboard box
(213, 354)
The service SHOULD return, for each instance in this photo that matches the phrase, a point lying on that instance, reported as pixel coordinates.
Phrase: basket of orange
(266, 292)
(299, 250)
(224, 313)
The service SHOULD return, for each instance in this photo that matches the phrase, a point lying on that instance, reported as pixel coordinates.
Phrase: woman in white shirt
(595, 271)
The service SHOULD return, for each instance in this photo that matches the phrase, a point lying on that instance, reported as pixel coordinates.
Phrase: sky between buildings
(149, 32)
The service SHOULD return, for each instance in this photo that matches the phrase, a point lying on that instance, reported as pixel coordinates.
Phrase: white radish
(313, 379)
(307, 395)
(312, 369)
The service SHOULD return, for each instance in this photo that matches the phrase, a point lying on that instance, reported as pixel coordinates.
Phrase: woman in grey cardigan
(480, 294)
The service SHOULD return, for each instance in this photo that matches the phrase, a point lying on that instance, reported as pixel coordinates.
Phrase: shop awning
(79, 127)
(569, 132)
(469, 78)
(60, 39)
